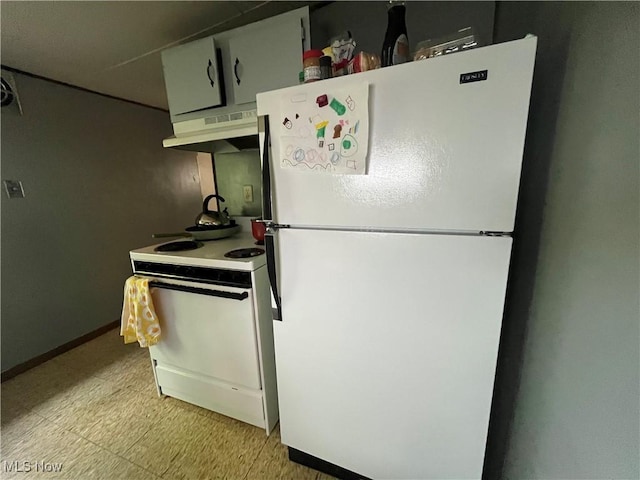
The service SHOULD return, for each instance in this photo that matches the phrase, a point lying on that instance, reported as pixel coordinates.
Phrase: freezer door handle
(269, 243)
(266, 175)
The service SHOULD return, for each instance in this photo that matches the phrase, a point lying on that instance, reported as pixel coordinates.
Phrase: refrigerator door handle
(266, 176)
(267, 202)
(269, 243)
(269, 239)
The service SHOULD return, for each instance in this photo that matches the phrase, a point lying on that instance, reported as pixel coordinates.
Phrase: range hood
(218, 133)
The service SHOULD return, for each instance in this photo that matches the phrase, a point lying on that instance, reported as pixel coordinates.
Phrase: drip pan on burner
(180, 246)
(244, 253)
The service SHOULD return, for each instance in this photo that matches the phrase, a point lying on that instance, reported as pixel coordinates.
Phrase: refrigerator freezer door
(387, 349)
(444, 153)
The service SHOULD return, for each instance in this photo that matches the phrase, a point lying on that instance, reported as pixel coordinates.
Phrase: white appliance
(388, 288)
(216, 346)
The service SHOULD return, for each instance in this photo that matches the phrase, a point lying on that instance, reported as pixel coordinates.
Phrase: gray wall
(98, 183)
(570, 358)
(233, 171)
(367, 22)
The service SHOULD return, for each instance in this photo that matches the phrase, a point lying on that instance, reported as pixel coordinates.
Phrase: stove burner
(178, 246)
(244, 253)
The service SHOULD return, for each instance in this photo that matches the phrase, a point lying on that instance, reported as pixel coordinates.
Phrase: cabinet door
(191, 76)
(266, 59)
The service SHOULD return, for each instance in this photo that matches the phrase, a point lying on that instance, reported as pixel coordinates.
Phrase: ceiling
(113, 47)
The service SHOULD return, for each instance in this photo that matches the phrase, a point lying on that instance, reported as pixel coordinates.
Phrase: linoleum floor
(95, 412)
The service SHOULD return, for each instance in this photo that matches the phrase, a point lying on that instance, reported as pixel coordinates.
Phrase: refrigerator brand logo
(474, 76)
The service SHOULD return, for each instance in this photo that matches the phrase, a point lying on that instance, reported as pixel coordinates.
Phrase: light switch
(247, 193)
(14, 188)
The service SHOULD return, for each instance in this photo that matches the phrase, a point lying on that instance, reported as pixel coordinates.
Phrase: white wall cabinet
(259, 57)
(191, 76)
(266, 59)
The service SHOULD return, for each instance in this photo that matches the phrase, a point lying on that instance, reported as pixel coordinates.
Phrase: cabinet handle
(209, 68)
(235, 70)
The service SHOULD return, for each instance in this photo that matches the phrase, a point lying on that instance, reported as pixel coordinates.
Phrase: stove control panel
(214, 276)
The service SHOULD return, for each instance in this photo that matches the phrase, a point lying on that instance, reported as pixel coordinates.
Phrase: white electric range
(210, 254)
(216, 345)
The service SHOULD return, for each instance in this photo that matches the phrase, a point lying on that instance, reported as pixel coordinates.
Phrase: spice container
(311, 65)
(325, 67)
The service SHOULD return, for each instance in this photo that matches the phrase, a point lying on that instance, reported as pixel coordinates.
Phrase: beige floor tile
(96, 404)
(127, 365)
(47, 443)
(102, 357)
(17, 431)
(191, 446)
(39, 440)
(108, 346)
(119, 419)
(76, 408)
(47, 382)
(11, 409)
(70, 374)
(135, 372)
(123, 418)
(98, 464)
(273, 463)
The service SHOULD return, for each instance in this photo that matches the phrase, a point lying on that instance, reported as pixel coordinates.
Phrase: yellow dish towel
(139, 319)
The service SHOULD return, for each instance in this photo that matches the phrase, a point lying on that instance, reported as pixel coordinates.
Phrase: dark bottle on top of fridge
(395, 48)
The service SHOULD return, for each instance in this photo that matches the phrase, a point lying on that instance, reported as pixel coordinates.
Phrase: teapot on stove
(210, 218)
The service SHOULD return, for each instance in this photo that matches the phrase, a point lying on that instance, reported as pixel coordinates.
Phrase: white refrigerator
(388, 287)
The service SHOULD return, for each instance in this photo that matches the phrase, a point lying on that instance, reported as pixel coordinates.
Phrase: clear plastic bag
(463, 39)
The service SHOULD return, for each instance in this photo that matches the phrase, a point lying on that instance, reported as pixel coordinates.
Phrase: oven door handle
(201, 291)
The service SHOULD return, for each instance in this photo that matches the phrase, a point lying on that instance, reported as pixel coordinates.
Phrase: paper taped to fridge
(326, 133)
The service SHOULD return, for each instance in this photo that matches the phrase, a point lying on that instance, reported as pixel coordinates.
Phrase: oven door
(207, 329)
